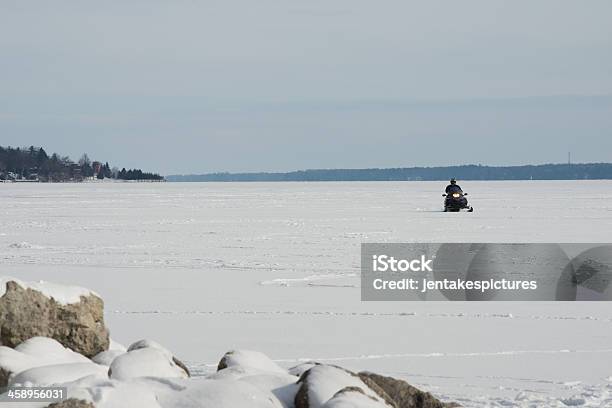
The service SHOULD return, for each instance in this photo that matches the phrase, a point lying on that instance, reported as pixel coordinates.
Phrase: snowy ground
(204, 268)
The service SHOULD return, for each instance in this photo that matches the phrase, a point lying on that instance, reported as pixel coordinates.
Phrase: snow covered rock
(113, 345)
(145, 343)
(219, 394)
(300, 369)
(150, 392)
(403, 394)
(327, 386)
(282, 386)
(133, 393)
(73, 316)
(354, 397)
(72, 403)
(322, 382)
(147, 358)
(32, 353)
(151, 344)
(107, 357)
(57, 374)
(148, 375)
(249, 359)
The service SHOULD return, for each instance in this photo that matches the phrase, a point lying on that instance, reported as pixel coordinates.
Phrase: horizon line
(275, 172)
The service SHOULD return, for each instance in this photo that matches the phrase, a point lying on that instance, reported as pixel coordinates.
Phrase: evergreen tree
(85, 164)
(41, 157)
(107, 170)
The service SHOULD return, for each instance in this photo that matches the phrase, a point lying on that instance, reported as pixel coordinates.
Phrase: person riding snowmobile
(455, 198)
(453, 187)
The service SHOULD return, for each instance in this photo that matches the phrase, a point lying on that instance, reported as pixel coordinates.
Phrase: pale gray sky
(198, 86)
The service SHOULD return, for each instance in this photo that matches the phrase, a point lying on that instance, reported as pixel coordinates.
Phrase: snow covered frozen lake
(205, 267)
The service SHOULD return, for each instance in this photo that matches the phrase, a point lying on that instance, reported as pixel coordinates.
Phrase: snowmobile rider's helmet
(453, 181)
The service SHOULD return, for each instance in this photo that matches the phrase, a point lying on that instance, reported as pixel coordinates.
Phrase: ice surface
(274, 267)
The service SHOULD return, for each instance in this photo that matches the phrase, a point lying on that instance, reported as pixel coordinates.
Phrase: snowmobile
(456, 201)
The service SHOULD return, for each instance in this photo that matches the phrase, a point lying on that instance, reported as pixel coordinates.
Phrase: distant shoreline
(566, 171)
(33, 164)
(88, 181)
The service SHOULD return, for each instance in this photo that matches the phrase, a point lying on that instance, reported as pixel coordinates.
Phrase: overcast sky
(200, 86)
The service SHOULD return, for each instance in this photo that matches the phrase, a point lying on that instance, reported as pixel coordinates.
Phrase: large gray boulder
(72, 316)
(403, 394)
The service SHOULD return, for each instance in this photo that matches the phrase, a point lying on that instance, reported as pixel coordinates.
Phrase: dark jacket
(453, 188)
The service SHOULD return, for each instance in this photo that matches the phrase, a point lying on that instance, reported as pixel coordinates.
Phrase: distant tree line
(588, 171)
(137, 174)
(34, 164)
